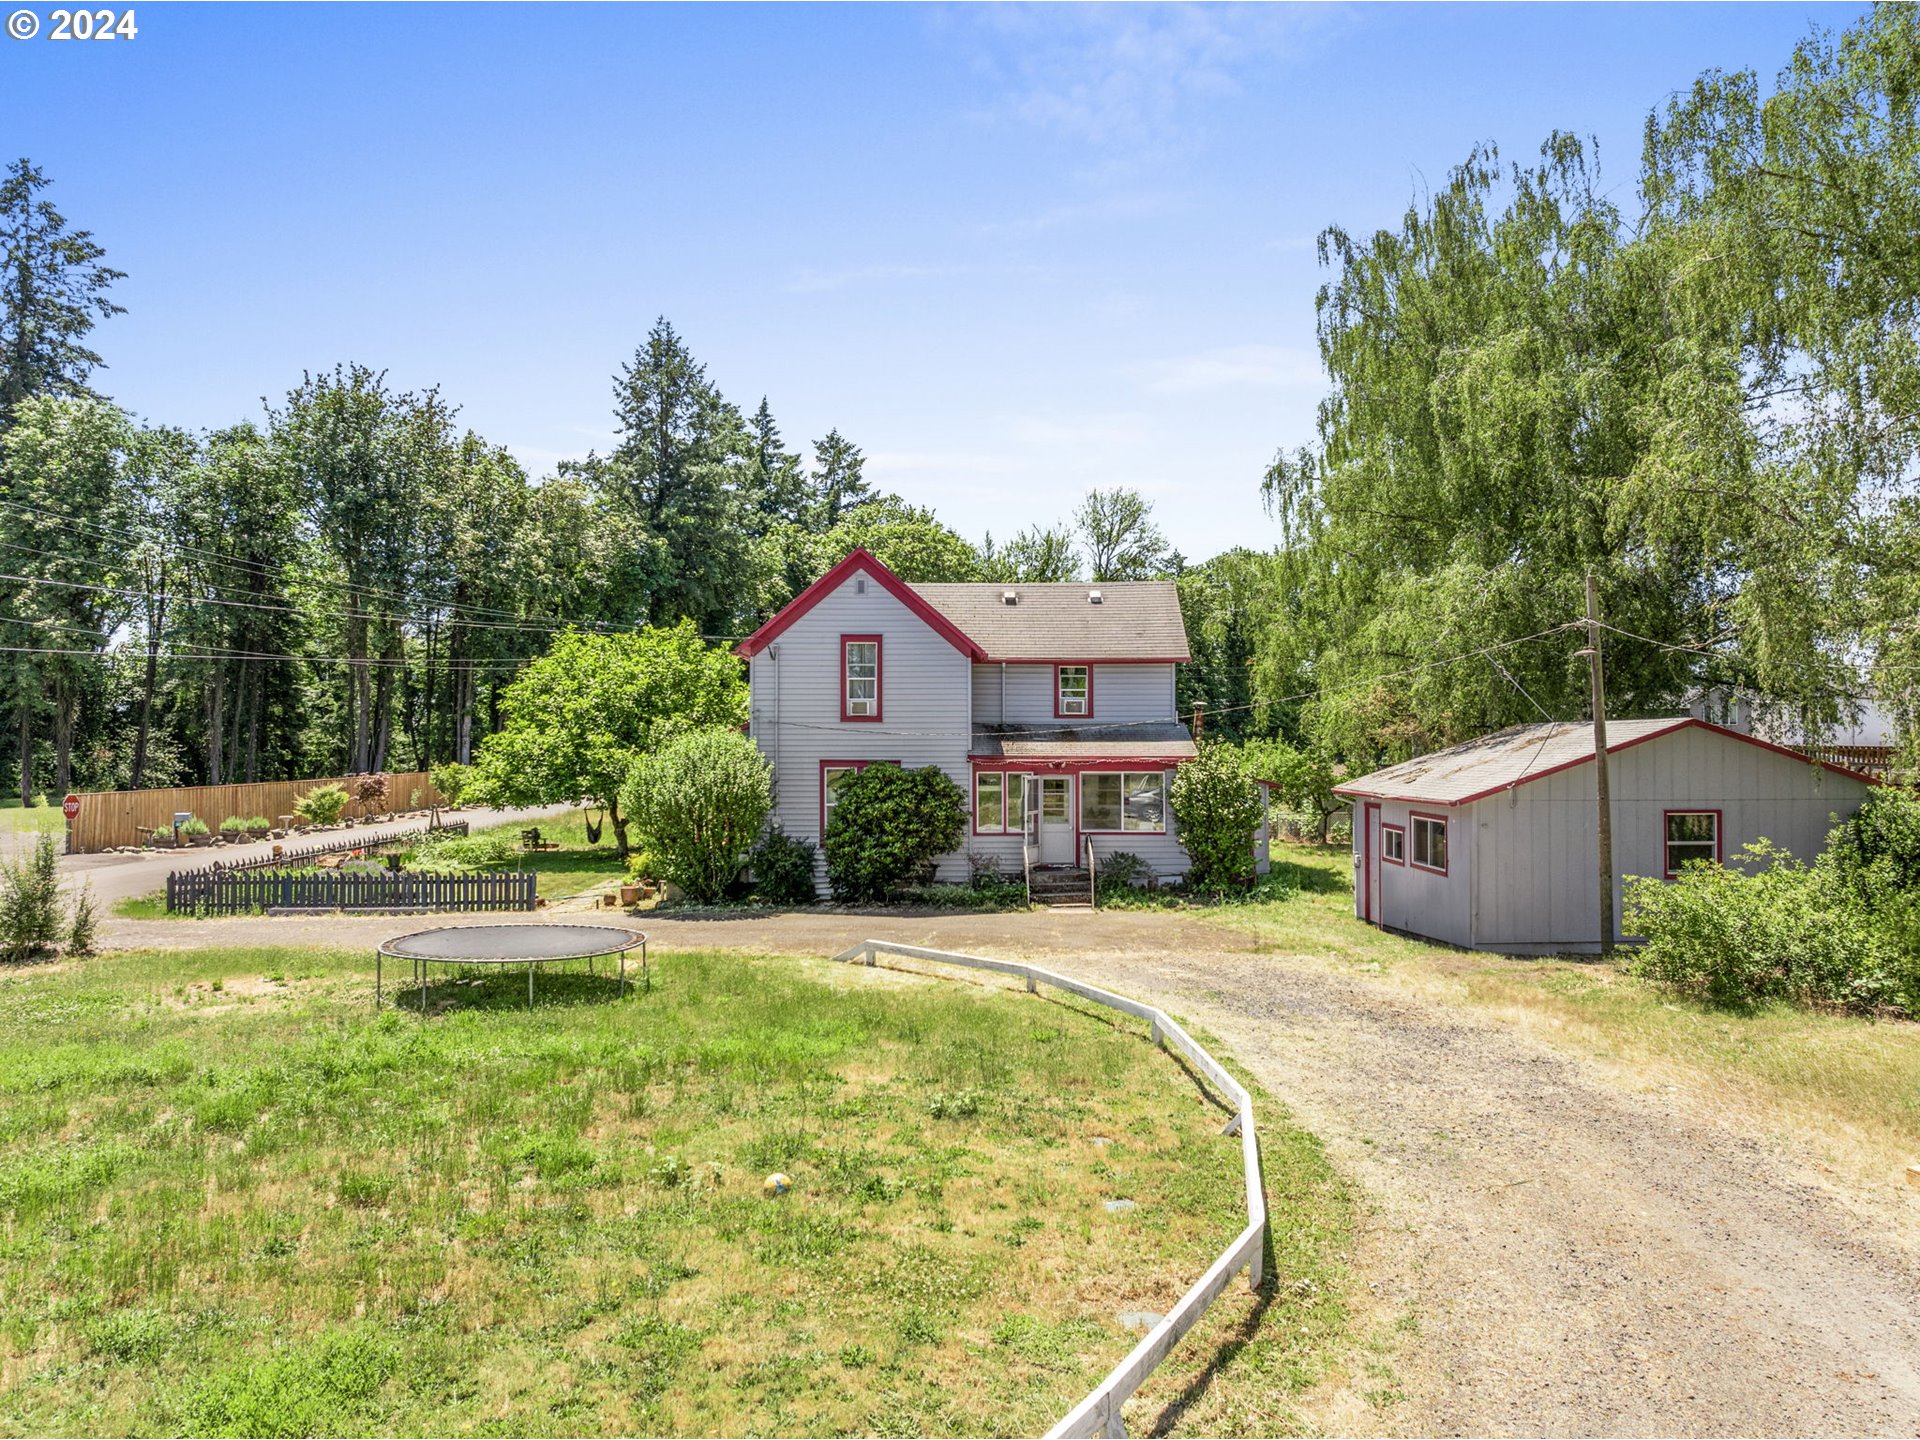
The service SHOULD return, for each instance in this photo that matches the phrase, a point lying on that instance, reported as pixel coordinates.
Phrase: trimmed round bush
(783, 870)
(322, 805)
(1216, 801)
(699, 803)
(888, 827)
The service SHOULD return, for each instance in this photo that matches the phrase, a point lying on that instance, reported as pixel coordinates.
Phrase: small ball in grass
(775, 1185)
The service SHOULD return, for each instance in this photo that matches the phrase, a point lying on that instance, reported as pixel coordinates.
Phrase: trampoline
(528, 945)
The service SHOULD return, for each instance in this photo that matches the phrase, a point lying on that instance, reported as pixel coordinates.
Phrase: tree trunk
(619, 828)
(26, 751)
(216, 723)
(63, 735)
(254, 715)
(156, 620)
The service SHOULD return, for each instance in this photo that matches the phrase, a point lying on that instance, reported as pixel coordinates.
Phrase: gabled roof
(1135, 620)
(859, 560)
(1463, 773)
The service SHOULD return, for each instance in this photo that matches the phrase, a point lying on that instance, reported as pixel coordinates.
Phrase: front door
(1056, 820)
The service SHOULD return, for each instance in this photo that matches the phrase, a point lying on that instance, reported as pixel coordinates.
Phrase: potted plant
(233, 829)
(258, 828)
(196, 832)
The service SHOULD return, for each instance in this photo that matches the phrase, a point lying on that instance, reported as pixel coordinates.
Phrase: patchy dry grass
(1846, 1090)
(235, 1201)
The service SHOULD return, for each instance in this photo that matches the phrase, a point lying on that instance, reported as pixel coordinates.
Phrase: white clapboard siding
(1163, 853)
(925, 702)
(1120, 693)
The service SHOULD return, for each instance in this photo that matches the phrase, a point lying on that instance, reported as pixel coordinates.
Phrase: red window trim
(1401, 831)
(1719, 837)
(826, 765)
(1444, 822)
(1060, 665)
(973, 801)
(879, 678)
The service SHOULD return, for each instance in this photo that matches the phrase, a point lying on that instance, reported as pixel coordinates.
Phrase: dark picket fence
(340, 843)
(243, 892)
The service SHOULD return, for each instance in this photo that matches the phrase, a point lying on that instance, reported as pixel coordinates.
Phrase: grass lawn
(235, 1201)
(1847, 1089)
(32, 819)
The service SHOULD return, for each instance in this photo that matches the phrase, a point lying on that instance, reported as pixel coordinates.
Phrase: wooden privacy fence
(242, 892)
(1099, 1413)
(123, 817)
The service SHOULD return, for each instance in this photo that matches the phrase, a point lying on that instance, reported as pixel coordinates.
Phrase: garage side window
(1692, 835)
(1393, 844)
(1429, 841)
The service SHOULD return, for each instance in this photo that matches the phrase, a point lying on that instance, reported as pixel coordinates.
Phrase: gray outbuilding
(1493, 844)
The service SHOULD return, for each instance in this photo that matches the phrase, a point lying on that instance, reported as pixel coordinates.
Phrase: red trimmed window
(1113, 801)
(832, 772)
(1393, 844)
(859, 677)
(999, 802)
(1073, 692)
(1691, 835)
(1429, 842)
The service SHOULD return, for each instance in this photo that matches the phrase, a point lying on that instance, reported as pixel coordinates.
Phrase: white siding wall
(1539, 850)
(1120, 693)
(925, 700)
(1163, 853)
(1419, 901)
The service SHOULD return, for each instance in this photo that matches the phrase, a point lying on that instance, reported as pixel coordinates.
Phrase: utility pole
(1596, 669)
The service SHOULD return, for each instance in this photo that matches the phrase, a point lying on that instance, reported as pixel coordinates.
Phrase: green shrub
(195, 826)
(643, 867)
(31, 921)
(322, 805)
(451, 780)
(1217, 804)
(260, 824)
(699, 802)
(233, 825)
(888, 827)
(83, 929)
(451, 854)
(1785, 932)
(1302, 782)
(783, 870)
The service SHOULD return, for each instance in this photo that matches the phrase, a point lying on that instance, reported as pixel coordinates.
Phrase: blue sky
(1011, 252)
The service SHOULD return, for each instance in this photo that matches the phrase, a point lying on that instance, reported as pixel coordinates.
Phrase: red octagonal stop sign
(70, 807)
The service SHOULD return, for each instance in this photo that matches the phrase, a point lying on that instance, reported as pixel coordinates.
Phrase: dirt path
(1572, 1258)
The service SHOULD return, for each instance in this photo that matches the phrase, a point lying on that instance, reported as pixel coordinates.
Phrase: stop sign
(70, 807)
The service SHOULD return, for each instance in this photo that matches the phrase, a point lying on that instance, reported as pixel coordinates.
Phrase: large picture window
(1124, 800)
(1427, 835)
(1692, 835)
(859, 677)
(1073, 692)
(999, 803)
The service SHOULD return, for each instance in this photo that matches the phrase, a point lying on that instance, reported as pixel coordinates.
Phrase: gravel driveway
(1575, 1258)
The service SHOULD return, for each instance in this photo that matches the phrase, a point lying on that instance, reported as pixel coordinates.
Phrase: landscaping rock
(1119, 1207)
(1139, 1319)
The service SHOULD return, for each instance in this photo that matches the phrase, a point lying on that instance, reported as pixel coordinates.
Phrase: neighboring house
(1493, 844)
(1050, 706)
(1866, 741)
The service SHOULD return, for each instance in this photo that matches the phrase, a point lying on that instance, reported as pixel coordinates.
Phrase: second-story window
(859, 677)
(1073, 691)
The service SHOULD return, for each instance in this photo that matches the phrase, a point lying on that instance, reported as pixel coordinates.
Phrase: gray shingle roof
(1138, 620)
(1154, 740)
(1493, 762)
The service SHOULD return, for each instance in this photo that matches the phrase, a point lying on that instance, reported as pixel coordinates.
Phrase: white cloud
(1126, 73)
(1253, 367)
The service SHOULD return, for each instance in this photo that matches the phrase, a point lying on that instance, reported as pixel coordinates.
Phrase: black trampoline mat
(499, 944)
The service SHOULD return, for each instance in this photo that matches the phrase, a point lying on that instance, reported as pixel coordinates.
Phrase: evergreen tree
(52, 290)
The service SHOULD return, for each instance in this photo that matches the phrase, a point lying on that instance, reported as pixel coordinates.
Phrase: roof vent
(860, 585)
(1009, 597)
(1093, 597)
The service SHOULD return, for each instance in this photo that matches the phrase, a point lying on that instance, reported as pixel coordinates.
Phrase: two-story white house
(1051, 706)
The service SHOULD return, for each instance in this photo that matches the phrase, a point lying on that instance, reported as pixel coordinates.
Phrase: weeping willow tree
(1531, 383)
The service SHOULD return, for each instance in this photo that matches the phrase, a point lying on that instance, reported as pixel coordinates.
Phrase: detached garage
(1492, 844)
